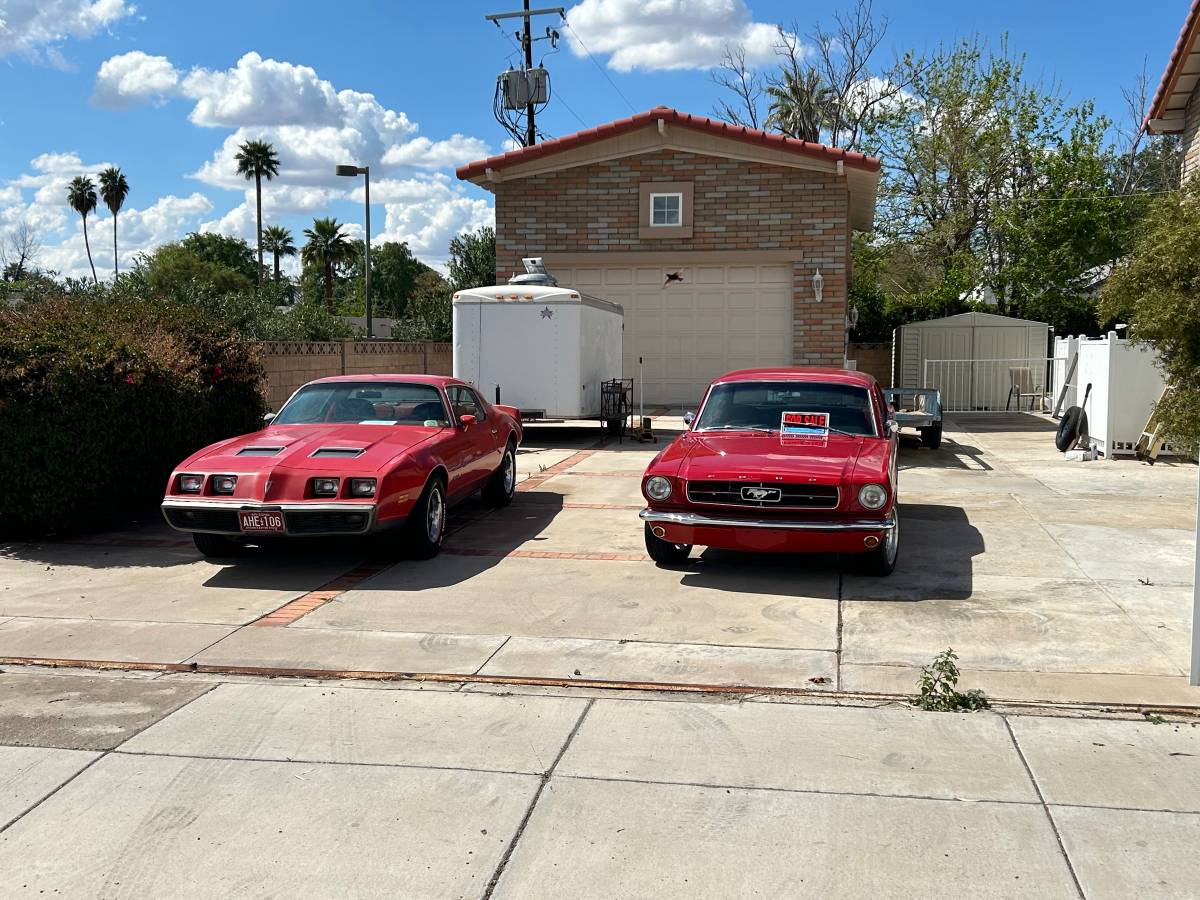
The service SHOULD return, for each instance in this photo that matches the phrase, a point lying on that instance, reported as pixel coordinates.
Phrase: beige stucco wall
(290, 364)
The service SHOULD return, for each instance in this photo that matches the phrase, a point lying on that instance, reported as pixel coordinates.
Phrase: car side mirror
(466, 420)
(893, 427)
(688, 418)
(268, 418)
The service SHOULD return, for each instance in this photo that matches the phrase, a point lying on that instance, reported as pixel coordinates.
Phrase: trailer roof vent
(535, 273)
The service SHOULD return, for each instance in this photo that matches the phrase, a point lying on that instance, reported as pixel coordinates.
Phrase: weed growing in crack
(938, 687)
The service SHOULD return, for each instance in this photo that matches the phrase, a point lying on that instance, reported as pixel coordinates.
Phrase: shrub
(101, 396)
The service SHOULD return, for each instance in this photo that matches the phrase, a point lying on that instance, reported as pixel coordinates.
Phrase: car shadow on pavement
(951, 455)
(938, 544)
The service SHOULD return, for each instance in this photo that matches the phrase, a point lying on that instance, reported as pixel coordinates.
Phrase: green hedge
(100, 399)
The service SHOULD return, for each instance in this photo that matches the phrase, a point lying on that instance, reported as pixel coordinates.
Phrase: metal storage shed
(979, 361)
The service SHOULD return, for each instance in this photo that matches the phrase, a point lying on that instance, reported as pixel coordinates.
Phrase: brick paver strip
(557, 469)
(303, 605)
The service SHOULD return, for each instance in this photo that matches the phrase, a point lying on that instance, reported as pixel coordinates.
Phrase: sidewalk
(173, 785)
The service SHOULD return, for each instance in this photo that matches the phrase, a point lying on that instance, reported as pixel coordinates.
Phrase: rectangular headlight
(362, 487)
(191, 484)
(223, 484)
(325, 487)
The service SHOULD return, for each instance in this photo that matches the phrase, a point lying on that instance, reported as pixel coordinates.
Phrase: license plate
(268, 522)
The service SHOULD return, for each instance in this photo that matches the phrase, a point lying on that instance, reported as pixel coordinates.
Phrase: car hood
(735, 455)
(378, 445)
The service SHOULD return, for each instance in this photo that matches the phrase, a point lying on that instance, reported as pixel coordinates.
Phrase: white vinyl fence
(994, 385)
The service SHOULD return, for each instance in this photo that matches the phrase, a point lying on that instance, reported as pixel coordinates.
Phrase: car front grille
(225, 520)
(322, 522)
(778, 495)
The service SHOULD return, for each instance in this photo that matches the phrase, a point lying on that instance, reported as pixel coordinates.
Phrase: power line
(595, 62)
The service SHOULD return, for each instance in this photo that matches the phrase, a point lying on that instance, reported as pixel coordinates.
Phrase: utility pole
(527, 41)
(528, 135)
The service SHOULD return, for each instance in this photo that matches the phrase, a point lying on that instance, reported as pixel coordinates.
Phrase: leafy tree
(175, 271)
(81, 197)
(278, 241)
(327, 246)
(428, 314)
(114, 188)
(801, 104)
(222, 250)
(473, 258)
(1156, 288)
(394, 273)
(257, 160)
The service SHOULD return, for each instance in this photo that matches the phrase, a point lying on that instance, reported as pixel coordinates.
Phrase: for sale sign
(805, 425)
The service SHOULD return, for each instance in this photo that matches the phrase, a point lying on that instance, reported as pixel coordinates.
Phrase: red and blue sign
(804, 425)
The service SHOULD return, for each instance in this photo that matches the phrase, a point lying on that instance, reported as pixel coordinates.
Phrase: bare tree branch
(19, 250)
(746, 85)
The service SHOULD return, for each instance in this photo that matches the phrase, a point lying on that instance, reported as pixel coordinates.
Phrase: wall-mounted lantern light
(818, 284)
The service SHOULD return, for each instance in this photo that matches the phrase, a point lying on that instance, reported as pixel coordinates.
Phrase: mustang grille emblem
(762, 494)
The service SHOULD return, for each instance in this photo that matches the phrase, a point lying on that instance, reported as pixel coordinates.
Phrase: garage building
(728, 247)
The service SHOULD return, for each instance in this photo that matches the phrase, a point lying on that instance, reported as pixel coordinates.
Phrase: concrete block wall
(874, 359)
(291, 364)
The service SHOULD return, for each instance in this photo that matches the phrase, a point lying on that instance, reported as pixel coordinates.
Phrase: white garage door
(689, 330)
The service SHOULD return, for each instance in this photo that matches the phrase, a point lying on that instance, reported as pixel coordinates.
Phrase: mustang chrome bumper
(699, 520)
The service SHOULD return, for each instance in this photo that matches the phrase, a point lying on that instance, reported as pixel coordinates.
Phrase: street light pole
(365, 171)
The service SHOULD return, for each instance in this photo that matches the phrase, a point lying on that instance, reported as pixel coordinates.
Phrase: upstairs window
(666, 210)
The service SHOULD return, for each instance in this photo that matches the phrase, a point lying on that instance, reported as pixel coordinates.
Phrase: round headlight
(658, 488)
(872, 496)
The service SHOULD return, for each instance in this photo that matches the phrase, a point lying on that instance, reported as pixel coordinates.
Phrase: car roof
(800, 373)
(437, 380)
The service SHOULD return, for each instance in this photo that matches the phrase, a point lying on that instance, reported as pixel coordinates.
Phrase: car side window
(465, 403)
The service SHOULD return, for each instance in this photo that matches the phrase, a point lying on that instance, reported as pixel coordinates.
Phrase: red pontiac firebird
(786, 460)
(350, 455)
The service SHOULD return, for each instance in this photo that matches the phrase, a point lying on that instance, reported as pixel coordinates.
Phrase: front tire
(503, 483)
(426, 526)
(882, 560)
(216, 545)
(664, 552)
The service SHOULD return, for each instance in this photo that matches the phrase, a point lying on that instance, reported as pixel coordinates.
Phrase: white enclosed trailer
(542, 348)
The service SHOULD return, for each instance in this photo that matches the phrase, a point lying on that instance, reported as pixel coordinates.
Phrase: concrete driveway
(1051, 580)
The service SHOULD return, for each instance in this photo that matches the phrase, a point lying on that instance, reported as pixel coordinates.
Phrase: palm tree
(113, 191)
(278, 240)
(81, 196)
(801, 104)
(326, 245)
(257, 159)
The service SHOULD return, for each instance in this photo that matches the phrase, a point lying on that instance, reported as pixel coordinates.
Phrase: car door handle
(493, 431)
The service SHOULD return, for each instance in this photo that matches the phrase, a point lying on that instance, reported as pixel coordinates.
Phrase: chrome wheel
(510, 472)
(435, 515)
(891, 540)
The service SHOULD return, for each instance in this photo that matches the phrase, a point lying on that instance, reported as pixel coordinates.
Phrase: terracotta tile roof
(672, 117)
(1183, 48)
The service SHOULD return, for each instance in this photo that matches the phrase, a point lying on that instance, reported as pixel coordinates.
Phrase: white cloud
(423, 153)
(35, 28)
(134, 78)
(426, 213)
(262, 92)
(38, 197)
(668, 34)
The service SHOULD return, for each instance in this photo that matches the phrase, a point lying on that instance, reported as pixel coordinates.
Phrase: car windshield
(760, 405)
(371, 403)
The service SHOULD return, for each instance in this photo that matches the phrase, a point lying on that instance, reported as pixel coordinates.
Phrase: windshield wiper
(761, 428)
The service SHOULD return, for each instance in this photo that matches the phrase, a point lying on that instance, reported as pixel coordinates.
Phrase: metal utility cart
(919, 408)
(614, 404)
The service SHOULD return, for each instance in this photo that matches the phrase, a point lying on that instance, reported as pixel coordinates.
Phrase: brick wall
(290, 364)
(874, 359)
(1191, 138)
(738, 206)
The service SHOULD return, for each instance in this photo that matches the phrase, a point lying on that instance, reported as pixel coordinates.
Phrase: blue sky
(166, 89)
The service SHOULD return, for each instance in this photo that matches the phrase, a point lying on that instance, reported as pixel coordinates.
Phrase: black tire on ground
(1074, 421)
(882, 560)
(500, 487)
(931, 437)
(216, 544)
(664, 552)
(426, 525)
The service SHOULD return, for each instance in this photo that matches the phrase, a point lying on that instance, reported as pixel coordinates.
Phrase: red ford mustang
(788, 460)
(350, 455)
